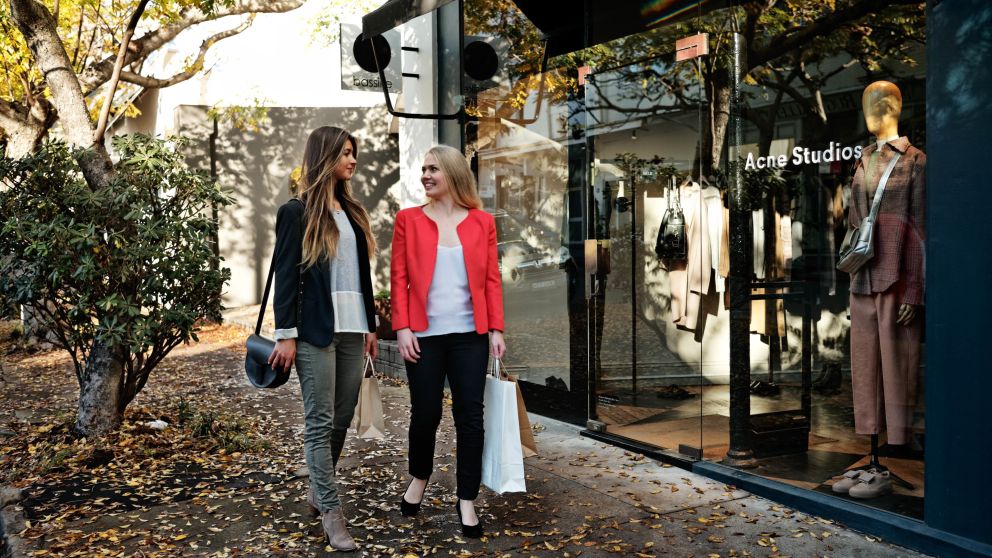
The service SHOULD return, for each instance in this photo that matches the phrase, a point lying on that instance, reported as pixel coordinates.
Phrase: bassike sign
(358, 60)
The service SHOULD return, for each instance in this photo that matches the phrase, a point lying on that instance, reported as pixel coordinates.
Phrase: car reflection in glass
(523, 265)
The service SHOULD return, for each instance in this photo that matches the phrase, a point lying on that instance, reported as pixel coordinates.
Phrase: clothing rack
(801, 291)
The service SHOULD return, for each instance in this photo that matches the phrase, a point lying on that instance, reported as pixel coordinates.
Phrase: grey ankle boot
(337, 530)
(312, 501)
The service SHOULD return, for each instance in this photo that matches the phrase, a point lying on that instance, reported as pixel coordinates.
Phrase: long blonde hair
(458, 175)
(317, 188)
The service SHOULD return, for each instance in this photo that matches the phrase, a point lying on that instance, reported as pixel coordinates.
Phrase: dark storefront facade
(672, 183)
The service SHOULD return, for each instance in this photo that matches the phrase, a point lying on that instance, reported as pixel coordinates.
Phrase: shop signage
(607, 400)
(804, 156)
(358, 62)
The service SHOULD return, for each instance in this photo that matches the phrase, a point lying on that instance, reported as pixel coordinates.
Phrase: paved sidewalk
(584, 498)
(587, 498)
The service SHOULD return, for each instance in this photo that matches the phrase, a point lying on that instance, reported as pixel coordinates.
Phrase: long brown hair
(458, 175)
(318, 187)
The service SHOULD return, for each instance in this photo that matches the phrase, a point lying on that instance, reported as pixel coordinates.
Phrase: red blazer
(414, 255)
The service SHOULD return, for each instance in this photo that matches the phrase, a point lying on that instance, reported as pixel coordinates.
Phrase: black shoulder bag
(671, 244)
(258, 348)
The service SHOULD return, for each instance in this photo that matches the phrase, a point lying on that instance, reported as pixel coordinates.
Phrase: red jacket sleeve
(399, 283)
(494, 281)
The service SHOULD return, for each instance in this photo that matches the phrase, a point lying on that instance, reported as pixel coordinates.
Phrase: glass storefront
(669, 233)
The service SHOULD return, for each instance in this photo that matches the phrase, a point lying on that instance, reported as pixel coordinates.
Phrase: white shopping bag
(368, 421)
(502, 456)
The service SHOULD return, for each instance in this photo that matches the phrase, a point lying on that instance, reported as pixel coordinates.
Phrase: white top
(346, 286)
(449, 302)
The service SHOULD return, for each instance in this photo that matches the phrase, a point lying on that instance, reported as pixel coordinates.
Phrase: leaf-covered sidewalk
(226, 478)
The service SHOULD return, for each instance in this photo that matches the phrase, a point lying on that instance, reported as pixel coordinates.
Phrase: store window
(616, 173)
(821, 125)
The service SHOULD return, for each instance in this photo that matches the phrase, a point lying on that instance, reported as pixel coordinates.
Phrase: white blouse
(449, 302)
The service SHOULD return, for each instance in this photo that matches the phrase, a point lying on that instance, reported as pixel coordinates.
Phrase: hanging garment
(758, 241)
(690, 280)
(713, 206)
(785, 236)
(724, 269)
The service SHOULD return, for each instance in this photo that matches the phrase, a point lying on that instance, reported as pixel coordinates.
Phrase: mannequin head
(882, 103)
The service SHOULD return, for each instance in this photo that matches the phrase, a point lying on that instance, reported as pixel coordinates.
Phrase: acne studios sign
(804, 156)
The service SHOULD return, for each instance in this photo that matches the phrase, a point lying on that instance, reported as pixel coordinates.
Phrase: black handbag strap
(268, 285)
(672, 189)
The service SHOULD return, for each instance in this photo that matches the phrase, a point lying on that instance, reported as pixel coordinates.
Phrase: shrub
(129, 268)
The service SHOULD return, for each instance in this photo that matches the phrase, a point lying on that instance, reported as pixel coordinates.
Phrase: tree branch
(787, 40)
(12, 114)
(784, 87)
(115, 76)
(38, 28)
(97, 73)
(193, 68)
(41, 34)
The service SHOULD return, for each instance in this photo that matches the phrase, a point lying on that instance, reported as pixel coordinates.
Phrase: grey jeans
(330, 378)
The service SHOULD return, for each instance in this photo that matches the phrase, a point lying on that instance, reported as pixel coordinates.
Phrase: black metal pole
(740, 453)
(633, 288)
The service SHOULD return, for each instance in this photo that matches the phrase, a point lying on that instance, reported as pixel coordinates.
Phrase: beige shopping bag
(368, 421)
(527, 443)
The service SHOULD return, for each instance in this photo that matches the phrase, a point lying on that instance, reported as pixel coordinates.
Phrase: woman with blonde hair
(447, 304)
(325, 321)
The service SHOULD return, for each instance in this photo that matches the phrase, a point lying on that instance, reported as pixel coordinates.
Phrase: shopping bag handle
(497, 370)
(369, 370)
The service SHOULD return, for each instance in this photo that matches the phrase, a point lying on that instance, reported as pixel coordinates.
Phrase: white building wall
(419, 97)
(276, 62)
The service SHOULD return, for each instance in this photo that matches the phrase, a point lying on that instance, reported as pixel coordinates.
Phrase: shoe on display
(849, 479)
(872, 485)
(674, 392)
(829, 380)
(763, 388)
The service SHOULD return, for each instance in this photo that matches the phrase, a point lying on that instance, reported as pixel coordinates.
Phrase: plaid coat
(900, 228)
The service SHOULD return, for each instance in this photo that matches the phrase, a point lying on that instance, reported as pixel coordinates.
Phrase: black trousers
(462, 358)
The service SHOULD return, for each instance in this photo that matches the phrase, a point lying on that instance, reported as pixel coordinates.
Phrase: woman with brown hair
(447, 303)
(324, 315)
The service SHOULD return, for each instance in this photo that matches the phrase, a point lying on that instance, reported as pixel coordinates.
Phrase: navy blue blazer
(311, 289)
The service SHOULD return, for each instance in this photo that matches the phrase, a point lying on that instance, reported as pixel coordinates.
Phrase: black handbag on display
(671, 243)
(259, 348)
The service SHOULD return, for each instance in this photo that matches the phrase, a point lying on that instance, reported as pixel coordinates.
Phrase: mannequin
(887, 292)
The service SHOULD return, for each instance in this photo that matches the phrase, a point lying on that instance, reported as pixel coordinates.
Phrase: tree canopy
(788, 44)
(90, 33)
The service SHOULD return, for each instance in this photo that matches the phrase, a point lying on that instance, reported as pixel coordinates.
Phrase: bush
(131, 266)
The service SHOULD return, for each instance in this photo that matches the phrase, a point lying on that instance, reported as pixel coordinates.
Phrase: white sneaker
(849, 479)
(872, 485)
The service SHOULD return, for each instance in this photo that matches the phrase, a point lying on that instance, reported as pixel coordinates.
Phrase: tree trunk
(40, 33)
(720, 116)
(23, 140)
(100, 409)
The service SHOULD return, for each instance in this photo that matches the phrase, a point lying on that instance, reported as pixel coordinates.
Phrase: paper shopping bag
(368, 421)
(527, 443)
(502, 455)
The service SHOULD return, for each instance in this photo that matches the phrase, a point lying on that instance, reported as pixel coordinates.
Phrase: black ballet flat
(470, 531)
(408, 509)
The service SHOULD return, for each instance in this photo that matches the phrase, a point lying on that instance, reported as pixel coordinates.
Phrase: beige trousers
(885, 364)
